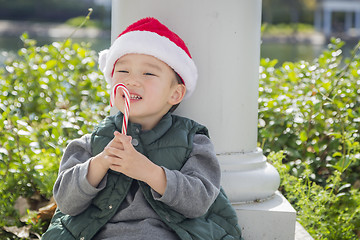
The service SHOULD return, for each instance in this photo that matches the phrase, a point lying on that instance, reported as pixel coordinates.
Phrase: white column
(318, 19)
(357, 21)
(224, 40)
(348, 21)
(327, 21)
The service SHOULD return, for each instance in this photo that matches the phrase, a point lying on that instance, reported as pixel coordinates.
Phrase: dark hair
(178, 81)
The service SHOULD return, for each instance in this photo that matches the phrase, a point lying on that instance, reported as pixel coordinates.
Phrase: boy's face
(152, 85)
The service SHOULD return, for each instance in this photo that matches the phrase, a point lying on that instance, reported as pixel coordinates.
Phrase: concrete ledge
(271, 219)
(301, 233)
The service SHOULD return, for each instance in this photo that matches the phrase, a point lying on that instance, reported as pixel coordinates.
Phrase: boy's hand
(101, 163)
(123, 157)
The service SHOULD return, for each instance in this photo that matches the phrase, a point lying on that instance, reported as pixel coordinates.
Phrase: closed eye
(149, 74)
(123, 71)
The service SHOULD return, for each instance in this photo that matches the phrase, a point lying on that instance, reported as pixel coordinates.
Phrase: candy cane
(126, 111)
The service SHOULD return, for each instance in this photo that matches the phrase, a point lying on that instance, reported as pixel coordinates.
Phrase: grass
(286, 29)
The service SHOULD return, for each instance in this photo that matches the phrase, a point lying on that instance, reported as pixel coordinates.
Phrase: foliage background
(48, 95)
(308, 126)
(309, 122)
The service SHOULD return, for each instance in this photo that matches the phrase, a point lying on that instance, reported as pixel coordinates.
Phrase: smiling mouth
(134, 97)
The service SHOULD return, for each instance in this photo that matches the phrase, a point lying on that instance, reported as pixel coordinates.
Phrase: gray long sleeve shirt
(190, 191)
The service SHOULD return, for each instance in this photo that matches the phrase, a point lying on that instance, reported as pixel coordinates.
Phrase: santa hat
(149, 36)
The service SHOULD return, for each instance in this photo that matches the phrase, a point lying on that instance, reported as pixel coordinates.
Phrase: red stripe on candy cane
(126, 111)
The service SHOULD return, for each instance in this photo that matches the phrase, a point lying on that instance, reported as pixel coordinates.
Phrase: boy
(162, 181)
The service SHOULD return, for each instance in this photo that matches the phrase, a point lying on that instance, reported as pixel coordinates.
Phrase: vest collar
(150, 136)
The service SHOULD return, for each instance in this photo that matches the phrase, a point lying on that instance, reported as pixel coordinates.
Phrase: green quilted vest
(171, 139)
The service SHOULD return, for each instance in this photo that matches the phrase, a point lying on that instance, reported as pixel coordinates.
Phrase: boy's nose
(131, 81)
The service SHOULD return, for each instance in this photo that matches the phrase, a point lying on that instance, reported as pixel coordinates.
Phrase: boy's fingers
(124, 139)
(116, 142)
(116, 136)
(112, 152)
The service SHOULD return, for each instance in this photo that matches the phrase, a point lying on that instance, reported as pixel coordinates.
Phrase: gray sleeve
(72, 191)
(192, 190)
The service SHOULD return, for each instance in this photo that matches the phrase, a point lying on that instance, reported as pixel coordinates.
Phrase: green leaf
(292, 76)
(57, 151)
(303, 136)
(51, 64)
(327, 85)
(345, 186)
(337, 154)
(343, 164)
(81, 52)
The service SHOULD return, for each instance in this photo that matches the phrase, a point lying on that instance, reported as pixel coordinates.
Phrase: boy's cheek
(119, 102)
(116, 78)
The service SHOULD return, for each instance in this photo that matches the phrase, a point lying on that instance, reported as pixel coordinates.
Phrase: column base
(248, 177)
(270, 219)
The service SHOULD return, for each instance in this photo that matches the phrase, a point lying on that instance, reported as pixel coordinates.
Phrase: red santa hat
(149, 36)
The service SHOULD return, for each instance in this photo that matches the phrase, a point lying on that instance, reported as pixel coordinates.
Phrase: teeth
(135, 97)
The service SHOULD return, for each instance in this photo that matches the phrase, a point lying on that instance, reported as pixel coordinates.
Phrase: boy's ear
(178, 94)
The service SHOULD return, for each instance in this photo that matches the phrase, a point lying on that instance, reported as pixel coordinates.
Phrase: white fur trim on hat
(149, 43)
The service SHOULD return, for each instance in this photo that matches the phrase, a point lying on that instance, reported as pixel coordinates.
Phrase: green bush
(48, 95)
(326, 213)
(309, 115)
(311, 111)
